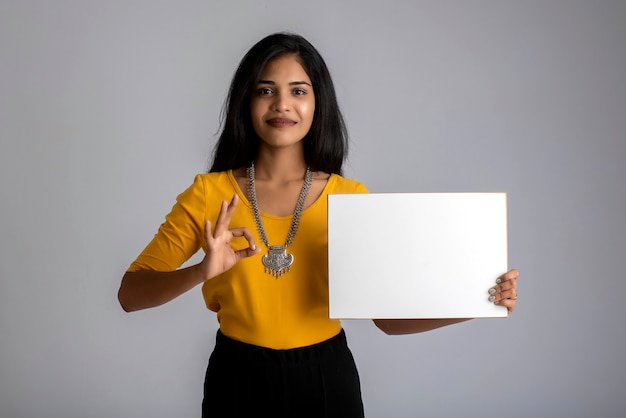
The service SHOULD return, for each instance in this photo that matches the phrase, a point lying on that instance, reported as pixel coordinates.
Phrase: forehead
(284, 67)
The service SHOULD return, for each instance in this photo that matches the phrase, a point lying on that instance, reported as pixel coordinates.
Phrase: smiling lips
(280, 122)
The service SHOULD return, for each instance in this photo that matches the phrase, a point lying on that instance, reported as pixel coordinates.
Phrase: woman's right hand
(147, 288)
(220, 255)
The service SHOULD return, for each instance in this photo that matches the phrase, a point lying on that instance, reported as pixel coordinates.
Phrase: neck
(280, 166)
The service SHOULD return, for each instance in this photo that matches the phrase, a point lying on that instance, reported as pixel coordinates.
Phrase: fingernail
(492, 291)
(492, 298)
(498, 281)
(497, 302)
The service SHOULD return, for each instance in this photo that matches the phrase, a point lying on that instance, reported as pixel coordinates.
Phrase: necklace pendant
(277, 261)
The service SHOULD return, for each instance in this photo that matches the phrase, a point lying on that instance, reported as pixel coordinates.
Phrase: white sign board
(415, 255)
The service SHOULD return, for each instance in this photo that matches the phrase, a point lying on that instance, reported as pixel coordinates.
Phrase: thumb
(207, 230)
(247, 252)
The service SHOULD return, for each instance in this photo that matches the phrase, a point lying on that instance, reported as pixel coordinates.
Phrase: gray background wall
(108, 109)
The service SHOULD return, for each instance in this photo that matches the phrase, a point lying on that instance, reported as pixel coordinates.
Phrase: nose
(281, 103)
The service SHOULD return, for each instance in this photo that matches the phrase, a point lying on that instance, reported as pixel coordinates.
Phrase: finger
(221, 224)
(510, 304)
(233, 204)
(497, 297)
(212, 239)
(508, 276)
(505, 290)
(245, 233)
(208, 237)
(247, 252)
(508, 285)
(225, 215)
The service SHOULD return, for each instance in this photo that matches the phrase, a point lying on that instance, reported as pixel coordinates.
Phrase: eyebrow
(292, 83)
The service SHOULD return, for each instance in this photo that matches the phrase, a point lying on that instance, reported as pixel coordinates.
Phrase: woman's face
(283, 103)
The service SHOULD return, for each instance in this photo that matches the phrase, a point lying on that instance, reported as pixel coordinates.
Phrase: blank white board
(415, 255)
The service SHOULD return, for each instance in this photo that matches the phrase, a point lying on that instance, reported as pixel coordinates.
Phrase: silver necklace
(277, 262)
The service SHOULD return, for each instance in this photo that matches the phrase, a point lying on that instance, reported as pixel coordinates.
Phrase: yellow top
(253, 306)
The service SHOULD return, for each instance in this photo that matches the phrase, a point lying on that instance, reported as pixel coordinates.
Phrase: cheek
(308, 110)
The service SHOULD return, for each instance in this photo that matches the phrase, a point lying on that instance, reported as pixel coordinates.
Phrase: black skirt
(245, 380)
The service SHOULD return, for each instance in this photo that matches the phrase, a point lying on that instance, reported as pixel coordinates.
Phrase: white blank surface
(415, 255)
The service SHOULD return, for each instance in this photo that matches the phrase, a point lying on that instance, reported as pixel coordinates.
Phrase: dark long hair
(326, 143)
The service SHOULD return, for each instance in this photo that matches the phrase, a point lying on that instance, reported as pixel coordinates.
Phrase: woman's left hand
(504, 293)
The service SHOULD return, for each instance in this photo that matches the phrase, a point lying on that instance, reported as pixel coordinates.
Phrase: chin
(282, 142)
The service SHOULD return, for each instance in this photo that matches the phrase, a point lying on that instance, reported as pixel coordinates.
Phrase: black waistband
(293, 355)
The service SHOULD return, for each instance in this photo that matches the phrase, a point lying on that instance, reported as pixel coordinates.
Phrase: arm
(413, 326)
(146, 289)
(504, 293)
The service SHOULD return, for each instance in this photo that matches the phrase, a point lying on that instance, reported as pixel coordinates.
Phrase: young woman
(260, 216)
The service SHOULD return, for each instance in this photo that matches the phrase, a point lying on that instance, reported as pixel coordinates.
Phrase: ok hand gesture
(220, 255)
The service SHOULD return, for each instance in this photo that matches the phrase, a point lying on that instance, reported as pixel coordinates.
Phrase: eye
(299, 92)
(264, 91)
